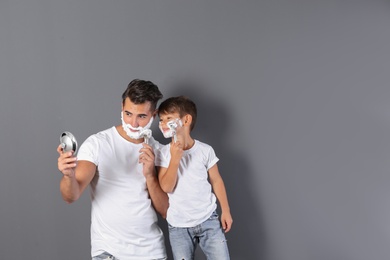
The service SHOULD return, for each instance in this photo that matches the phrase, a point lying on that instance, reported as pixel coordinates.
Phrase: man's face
(137, 115)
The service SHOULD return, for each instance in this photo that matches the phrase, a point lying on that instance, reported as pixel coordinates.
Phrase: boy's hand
(226, 221)
(176, 150)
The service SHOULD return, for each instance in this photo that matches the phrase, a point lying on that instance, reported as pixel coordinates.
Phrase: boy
(185, 165)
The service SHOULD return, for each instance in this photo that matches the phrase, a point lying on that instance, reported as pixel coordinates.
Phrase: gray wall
(293, 95)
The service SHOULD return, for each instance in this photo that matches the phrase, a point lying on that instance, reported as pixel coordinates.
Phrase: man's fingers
(59, 149)
(146, 153)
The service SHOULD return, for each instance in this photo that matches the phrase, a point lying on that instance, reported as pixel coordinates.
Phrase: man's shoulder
(154, 143)
(106, 132)
(101, 135)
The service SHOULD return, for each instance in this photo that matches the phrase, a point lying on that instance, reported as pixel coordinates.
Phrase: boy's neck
(188, 142)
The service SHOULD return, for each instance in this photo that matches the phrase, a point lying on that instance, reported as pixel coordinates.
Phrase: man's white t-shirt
(123, 220)
(192, 201)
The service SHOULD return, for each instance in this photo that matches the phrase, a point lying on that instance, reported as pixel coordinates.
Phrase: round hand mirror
(68, 142)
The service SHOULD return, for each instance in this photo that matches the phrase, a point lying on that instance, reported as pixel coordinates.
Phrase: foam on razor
(146, 134)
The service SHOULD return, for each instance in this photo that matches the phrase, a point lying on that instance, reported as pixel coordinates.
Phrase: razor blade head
(146, 134)
(174, 124)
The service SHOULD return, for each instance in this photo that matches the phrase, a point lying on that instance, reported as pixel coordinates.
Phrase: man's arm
(157, 195)
(76, 175)
(220, 192)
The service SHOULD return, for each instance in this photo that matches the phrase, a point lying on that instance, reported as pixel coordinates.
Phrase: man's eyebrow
(133, 114)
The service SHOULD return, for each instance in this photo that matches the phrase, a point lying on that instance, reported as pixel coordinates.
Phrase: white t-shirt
(123, 220)
(192, 201)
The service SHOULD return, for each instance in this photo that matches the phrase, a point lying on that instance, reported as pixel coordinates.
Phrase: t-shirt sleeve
(162, 157)
(89, 150)
(212, 159)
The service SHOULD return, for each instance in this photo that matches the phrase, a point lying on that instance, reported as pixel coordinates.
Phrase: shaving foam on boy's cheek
(135, 135)
(168, 133)
(172, 125)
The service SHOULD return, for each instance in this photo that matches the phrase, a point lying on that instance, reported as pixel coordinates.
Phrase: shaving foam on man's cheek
(139, 130)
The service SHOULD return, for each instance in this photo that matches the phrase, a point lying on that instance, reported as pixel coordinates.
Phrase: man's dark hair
(182, 105)
(141, 91)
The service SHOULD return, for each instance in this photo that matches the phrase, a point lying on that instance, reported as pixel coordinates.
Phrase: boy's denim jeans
(208, 235)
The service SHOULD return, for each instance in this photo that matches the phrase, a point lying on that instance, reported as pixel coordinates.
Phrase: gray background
(293, 95)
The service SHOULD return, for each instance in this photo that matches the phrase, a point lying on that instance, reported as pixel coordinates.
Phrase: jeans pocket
(170, 227)
(214, 215)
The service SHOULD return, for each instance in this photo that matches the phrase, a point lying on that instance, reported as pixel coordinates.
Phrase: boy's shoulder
(202, 144)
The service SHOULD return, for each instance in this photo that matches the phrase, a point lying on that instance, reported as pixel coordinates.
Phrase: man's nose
(134, 122)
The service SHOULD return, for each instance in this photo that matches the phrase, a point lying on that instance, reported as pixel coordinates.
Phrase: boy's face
(170, 123)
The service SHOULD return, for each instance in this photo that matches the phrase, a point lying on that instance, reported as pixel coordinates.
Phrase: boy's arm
(220, 192)
(168, 176)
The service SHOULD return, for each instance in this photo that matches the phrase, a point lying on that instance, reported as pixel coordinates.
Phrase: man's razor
(146, 134)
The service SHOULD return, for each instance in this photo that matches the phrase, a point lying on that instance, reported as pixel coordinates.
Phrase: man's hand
(146, 157)
(66, 162)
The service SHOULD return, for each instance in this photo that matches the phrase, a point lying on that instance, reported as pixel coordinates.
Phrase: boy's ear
(187, 119)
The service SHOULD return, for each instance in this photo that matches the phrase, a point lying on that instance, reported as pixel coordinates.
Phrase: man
(125, 192)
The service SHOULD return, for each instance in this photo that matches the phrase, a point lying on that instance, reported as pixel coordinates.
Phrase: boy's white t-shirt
(123, 220)
(192, 201)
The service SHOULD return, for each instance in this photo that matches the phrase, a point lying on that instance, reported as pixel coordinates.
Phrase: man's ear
(155, 113)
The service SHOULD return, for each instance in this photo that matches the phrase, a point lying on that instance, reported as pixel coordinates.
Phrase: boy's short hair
(141, 91)
(182, 105)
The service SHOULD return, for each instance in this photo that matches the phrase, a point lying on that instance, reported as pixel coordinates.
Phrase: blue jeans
(108, 256)
(208, 235)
